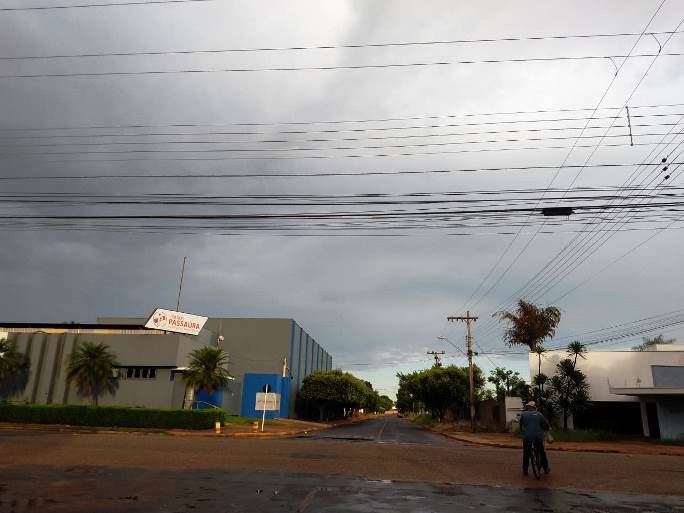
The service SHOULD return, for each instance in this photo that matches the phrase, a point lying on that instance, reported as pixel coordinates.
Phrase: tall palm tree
(529, 325)
(539, 351)
(93, 367)
(577, 349)
(206, 370)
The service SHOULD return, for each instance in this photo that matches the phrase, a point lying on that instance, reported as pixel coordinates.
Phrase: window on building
(139, 372)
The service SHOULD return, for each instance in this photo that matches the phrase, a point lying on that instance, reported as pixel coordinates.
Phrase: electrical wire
(367, 120)
(326, 47)
(600, 142)
(396, 65)
(103, 4)
(294, 174)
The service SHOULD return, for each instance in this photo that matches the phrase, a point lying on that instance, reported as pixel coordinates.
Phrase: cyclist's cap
(531, 404)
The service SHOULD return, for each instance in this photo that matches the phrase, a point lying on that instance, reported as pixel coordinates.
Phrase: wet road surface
(385, 464)
(387, 429)
(145, 490)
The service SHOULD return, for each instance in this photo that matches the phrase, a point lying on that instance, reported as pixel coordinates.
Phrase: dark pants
(527, 453)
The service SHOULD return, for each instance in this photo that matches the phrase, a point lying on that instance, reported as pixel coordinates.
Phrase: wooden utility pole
(469, 339)
(436, 355)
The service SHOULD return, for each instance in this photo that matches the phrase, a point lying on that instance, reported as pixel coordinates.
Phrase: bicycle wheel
(536, 462)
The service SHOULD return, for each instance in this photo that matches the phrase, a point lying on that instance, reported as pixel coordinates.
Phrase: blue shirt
(533, 425)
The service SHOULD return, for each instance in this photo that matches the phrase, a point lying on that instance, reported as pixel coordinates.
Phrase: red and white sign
(177, 322)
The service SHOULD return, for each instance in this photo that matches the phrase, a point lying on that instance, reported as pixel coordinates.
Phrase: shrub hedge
(110, 416)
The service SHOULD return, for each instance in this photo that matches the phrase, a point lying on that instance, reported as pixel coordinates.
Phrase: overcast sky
(375, 302)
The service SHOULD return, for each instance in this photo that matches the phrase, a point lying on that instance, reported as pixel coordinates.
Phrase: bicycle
(536, 459)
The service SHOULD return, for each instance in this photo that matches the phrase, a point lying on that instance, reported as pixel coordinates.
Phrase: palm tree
(577, 349)
(539, 350)
(529, 324)
(94, 369)
(207, 370)
(14, 369)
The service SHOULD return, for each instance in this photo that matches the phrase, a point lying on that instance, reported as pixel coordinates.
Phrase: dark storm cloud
(377, 300)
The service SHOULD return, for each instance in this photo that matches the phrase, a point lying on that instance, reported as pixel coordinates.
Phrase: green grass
(424, 420)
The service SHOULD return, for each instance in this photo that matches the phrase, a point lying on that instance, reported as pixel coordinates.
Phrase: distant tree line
(443, 392)
(328, 395)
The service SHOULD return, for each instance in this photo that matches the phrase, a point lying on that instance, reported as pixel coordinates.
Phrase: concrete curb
(553, 447)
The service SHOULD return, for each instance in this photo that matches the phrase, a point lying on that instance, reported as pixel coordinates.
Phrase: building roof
(646, 391)
(65, 327)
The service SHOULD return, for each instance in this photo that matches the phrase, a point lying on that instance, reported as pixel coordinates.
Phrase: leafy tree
(438, 389)
(11, 359)
(334, 391)
(487, 394)
(14, 369)
(371, 403)
(649, 342)
(385, 403)
(207, 370)
(569, 384)
(93, 367)
(529, 325)
(506, 382)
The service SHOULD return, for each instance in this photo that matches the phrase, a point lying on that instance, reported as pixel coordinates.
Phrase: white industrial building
(633, 392)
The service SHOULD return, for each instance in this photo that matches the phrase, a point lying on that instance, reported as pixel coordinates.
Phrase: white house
(633, 392)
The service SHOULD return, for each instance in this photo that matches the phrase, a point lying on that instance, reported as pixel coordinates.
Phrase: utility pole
(436, 355)
(469, 339)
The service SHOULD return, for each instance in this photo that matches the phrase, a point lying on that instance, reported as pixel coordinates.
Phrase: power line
(104, 4)
(279, 141)
(302, 149)
(319, 157)
(587, 244)
(374, 120)
(84, 74)
(294, 174)
(326, 47)
(602, 139)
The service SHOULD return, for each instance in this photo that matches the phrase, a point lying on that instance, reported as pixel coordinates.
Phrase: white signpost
(266, 401)
(178, 322)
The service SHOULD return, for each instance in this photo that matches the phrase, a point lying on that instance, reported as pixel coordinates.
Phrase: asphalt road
(385, 464)
(386, 429)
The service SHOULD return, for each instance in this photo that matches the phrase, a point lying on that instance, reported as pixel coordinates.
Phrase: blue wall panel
(290, 363)
(253, 383)
(216, 399)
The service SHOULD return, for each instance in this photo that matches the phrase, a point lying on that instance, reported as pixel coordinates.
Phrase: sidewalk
(508, 440)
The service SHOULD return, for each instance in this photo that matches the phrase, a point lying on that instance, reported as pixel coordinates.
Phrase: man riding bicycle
(533, 426)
